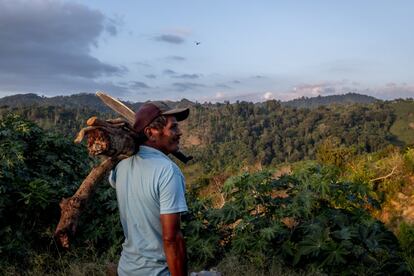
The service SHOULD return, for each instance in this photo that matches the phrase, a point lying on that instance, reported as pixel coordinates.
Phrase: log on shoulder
(112, 140)
(72, 207)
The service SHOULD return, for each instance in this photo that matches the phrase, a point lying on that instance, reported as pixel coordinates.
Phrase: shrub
(38, 169)
(307, 220)
(406, 238)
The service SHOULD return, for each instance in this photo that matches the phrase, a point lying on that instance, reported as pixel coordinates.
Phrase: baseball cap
(149, 111)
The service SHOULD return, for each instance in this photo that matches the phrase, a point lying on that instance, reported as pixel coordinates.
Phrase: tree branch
(385, 176)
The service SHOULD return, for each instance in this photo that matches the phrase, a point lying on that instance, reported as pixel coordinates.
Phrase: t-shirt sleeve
(172, 192)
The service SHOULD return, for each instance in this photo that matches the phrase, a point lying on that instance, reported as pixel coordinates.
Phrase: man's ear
(150, 132)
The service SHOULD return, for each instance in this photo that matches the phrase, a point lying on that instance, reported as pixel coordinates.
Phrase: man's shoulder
(148, 160)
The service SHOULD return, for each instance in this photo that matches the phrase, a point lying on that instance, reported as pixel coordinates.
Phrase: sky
(214, 51)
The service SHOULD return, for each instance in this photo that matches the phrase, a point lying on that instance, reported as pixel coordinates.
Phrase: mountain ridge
(90, 101)
(313, 102)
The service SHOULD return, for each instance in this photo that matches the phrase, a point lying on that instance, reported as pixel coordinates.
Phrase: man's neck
(153, 145)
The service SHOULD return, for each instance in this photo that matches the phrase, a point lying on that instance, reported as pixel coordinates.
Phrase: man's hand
(174, 245)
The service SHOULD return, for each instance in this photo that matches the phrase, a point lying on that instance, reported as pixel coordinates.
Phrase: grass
(84, 261)
(88, 264)
(233, 266)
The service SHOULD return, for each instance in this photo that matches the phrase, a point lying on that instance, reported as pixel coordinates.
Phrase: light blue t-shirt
(147, 184)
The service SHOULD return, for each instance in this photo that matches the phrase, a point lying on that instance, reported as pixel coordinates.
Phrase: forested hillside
(403, 128)
(233, 135)
(348, 98)
(270, 133)
(273, 190)
(75, 101)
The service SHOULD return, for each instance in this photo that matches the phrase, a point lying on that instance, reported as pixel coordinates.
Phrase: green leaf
(345, 233)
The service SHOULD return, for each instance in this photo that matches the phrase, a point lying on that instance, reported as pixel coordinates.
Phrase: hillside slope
(403, 126)
(314, 102)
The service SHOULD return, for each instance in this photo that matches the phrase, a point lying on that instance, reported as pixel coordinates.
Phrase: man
(150, 192)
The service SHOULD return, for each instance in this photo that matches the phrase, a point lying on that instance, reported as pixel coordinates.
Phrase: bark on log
(73, 206)
(113, 140)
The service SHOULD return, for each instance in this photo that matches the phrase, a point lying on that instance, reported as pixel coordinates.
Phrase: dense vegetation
(349, 98)
(320, 217)
(230, 136)
(309, 220)
(38, 169)
(233, 135)
(403, 127)
(65, 120)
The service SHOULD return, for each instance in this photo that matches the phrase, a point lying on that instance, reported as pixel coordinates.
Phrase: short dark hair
(158, 123)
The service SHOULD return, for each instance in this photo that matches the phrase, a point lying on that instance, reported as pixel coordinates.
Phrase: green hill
(403, 126)
(82, 100)
(314, 102)
(242, 133)
(90, 101)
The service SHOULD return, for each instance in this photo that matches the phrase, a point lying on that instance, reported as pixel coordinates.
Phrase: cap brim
(179, 113)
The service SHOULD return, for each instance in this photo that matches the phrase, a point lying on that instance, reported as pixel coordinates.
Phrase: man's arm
(174, 245)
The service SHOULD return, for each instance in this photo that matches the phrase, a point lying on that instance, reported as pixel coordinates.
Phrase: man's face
(168, 138)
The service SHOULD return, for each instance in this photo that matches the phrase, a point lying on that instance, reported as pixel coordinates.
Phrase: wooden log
(72, 207)
(113, 141)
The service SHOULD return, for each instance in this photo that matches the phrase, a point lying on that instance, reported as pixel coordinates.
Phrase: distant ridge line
(313, 102)
(86, 100)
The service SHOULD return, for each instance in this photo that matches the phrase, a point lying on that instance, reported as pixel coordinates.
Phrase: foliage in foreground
(37, 169)
(309, 220)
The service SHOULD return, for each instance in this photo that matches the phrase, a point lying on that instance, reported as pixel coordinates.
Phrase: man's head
(157, 125)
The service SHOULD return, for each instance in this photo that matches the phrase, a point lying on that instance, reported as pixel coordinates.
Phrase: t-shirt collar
(150, 150)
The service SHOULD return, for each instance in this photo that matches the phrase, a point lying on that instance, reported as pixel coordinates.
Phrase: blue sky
(248, 50)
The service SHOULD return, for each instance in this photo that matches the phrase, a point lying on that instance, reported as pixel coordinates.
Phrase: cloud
(185, 86)
(60, 85)
(392, 90)
(176, 58)
(170, 38)
(187, 76)
(233, 97)
(150, 76)
(249, 97)
(387, 91)
(222, 85)
(169, 72)
(52, 41)
(309, 90)
(180, 31)
(322, 89)
(347, 66)
(268, 96)
(138, 85)
(236, 81)
(143, 64)
(219, 95)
